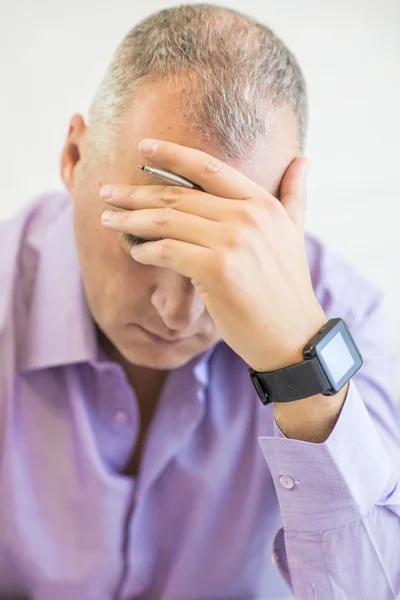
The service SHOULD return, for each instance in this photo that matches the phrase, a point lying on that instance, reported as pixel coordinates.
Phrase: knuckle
(125, 216)
(238, 236)
(220, 266)
(165, 249)
(246, 213)
(170, 194)
(213, 166)
(165, 216)
(217, 266)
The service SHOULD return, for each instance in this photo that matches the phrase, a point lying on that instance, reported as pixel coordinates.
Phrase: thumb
(293, 190)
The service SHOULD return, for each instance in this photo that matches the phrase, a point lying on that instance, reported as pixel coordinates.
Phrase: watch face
(338, 356)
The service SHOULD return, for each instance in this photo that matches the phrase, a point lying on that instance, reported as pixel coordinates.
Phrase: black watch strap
(295, 382)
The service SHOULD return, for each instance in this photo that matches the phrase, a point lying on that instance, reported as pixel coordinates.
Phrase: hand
(242, 249)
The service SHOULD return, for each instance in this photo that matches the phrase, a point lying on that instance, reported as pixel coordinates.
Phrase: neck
(146, 382)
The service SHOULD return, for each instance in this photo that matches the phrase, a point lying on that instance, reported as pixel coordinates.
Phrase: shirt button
(287, 482)
(273, 559)
(121, 416)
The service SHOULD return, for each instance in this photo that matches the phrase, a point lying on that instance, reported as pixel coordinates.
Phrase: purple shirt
(225, 507)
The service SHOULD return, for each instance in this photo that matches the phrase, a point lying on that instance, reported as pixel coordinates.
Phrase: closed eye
(133, 240)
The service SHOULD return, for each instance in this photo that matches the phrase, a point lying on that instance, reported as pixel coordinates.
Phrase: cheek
(98, 249)
(116, 286)
(113, 281)
(94, 242)
(91, 239)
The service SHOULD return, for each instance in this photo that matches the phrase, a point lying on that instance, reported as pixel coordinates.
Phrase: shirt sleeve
(340, 500)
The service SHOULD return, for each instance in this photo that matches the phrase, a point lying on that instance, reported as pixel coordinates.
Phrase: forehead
(156, 113)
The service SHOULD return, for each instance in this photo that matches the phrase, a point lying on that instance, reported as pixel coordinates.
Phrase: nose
(176, 301)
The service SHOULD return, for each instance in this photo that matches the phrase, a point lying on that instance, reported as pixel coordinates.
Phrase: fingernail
(107, 191)
(148, 146)
(107, 216)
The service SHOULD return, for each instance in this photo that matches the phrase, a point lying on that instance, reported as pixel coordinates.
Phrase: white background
(53, 55)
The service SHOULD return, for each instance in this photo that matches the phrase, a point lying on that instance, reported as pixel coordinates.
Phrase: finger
(293, 190)
(208, 172)
(187, 259)
(185, 200)
(167, 223)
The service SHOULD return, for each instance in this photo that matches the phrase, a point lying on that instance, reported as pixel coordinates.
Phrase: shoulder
(26, 227)
(21, 239)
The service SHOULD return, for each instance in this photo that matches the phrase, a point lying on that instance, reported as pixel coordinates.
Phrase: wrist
(310, 419)
(290, 350)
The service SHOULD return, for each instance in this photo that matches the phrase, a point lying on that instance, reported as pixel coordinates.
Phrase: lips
(164, 339)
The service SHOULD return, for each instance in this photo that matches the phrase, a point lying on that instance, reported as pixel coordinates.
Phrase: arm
(341, 535)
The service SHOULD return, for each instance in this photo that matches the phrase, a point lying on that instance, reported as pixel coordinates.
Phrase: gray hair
(231, 71)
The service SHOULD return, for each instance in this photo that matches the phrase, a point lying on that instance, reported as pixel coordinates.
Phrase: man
(136, 466)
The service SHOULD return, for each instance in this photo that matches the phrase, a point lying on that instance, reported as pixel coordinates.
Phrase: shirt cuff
(327, 485)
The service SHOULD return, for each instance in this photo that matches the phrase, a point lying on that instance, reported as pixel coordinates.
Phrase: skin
(124, 294)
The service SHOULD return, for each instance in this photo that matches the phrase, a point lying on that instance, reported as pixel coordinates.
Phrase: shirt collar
(60, 329)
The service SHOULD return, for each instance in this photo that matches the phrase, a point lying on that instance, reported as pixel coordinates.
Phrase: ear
(71, 154)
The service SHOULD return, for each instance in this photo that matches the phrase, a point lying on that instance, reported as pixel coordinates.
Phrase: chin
(165, 360)
(159, 356)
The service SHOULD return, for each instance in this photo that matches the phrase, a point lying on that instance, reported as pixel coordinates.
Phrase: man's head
(201, 76)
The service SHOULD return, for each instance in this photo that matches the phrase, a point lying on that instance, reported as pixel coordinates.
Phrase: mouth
(160, 340)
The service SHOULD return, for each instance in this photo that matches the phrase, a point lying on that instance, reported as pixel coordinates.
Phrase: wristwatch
(331, 358)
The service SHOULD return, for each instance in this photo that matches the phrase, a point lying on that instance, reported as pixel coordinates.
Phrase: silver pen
(168, 176)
